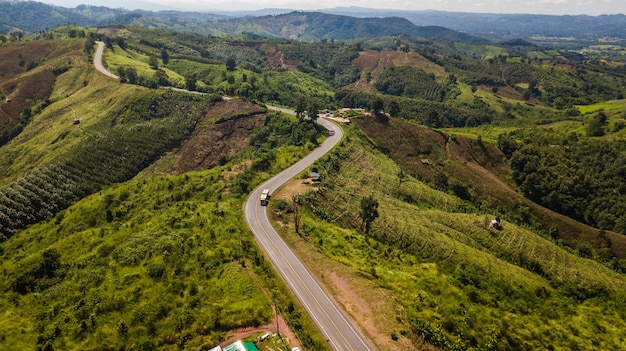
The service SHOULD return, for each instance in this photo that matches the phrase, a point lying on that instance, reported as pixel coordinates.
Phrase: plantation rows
(108, 157)
(409, 82)
(430, 113)
(558, 86)
(462, 285)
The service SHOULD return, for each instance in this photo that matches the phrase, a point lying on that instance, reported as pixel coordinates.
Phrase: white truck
(265, 197)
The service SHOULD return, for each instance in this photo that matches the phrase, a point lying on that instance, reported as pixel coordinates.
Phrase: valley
(121, 200)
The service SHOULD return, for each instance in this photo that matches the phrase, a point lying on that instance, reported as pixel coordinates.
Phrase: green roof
(241, 346)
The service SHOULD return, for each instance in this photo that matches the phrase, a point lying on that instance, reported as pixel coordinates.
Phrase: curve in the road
(329, 318)
(340, 332)
(97, 61)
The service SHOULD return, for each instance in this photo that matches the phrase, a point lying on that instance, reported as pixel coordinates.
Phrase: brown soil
(108, 31)
(374, 62)
(25, 89)
(293, 187)
(276, 58)
(289, 338)
(203, 148)
(510, 93)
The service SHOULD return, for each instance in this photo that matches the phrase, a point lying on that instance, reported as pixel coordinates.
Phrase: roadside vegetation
(120, 201)
(461, 283)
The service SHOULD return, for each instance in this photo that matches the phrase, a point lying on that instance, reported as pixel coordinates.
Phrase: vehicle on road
(265, 197)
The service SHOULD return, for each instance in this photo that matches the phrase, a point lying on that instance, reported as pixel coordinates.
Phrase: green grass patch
(604, 106)
(484, 51)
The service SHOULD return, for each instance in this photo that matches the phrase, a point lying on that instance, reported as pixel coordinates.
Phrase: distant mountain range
(337, 23)
(506, 26)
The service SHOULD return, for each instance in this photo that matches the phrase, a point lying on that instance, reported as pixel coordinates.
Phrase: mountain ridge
(491, 26)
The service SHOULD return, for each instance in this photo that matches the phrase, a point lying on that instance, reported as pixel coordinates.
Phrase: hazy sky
(558, 7)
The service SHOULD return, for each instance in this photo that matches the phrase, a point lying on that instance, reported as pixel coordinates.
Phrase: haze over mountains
(21, 15)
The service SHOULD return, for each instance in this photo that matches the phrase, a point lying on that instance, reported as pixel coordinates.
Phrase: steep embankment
(479, 168)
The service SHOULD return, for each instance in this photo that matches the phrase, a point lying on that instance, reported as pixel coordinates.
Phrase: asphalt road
(329, 318)
(97, 61)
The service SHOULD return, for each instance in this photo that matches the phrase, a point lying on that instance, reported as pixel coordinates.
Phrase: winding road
(97, 61)
(329, 318)
(339, 330)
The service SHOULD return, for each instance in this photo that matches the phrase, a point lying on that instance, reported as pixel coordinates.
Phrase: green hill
(446, 275)
(314, 26)
(120, 201)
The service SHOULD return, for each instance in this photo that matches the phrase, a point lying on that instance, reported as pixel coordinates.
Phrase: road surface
(329, 318)
(97, 61)
(341, 334)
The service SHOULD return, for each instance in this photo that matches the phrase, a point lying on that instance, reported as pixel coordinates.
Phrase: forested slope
(119, 198)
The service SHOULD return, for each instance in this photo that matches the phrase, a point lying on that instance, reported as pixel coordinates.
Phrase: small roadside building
(315, 177)
(241, 346)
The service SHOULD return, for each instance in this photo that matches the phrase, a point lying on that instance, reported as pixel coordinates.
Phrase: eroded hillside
(476, 171)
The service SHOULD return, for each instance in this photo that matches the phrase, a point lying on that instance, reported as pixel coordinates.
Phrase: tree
(594, 127)
(401, 177)
(393, 107)
(161, 77)
(296, 202)
(300, 105)
(440, 181)
(121, 72)
(165, 57)
(153, 62)
(507, 144)
(369, 211)
(190, 81)
(231, 64)
(131, 75)
(377, 105)
(314, 106)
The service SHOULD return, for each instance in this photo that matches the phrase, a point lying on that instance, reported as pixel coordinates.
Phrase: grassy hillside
(477, 171)
(156, 262)
(455, 282)
(29, 73)
(120, 202)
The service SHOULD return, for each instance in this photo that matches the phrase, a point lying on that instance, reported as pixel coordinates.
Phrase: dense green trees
(409, 82)
(329, 61)
(430, 113)
(581, 178)
(279, 130)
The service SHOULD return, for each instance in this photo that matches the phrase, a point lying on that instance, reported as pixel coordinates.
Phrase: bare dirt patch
(212, 143)
(276, 58)
(24, 87)
(373, 308)
(292, 188)
(287, 336)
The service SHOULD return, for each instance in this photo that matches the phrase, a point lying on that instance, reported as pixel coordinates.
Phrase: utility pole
(276, 311)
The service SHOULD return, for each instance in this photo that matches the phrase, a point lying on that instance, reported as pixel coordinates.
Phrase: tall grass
(461, 284)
